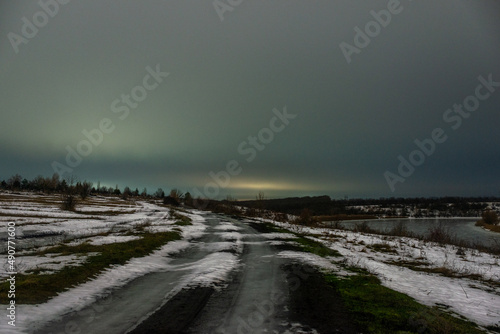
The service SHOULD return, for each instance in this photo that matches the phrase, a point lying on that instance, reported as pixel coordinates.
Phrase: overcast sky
(346, 104)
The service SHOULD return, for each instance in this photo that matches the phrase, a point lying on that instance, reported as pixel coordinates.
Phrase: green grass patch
(182, 220)
(315, 247)
(267, 227)
(36, 289)
(494, 329)
(305, 244)
(378, 309)
(182, 223)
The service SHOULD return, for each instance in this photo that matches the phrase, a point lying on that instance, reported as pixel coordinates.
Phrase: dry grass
(30, 198)
(383, 248)
(56, 201)
(438, 234)
(422, 266)
(105, 213)
(492, 228)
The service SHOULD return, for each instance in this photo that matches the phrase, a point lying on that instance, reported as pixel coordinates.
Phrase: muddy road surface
(251, 290)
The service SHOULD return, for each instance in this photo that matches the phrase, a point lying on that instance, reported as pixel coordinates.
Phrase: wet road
(253, 298)
(257, 297)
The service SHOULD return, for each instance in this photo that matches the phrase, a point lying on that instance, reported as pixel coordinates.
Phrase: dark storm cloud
(353, 119)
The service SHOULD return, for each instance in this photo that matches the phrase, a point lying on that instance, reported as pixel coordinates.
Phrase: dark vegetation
(490, 217)
(316, 302)
(346, 209)
(489, 220)
(316, 205)
(68, 202)
(180, 220)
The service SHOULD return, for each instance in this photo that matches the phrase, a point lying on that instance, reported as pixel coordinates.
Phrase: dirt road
(261, 292)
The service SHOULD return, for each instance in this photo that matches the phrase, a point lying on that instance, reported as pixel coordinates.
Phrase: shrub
(188, 199)
(441, 235)
(68, 203)
(363, 227)
(400, 230)
(169, 200)
(490, 217)
(126, 193)
(305, 218)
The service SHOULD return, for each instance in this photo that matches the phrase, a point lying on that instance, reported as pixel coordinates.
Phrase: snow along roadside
(207, 272)
(469, 298)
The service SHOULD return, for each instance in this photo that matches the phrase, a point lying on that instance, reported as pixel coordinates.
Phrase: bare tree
(14, 182)
(174, 198)
(159, 193)
(68, 202)
(188, 199)
(85, 188)
(126, 193)
(177, 194)
(54, 182)
(260, 202)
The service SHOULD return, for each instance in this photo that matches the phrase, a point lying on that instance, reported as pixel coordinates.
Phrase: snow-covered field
(40, 223)
(465, 281)
(38, 219)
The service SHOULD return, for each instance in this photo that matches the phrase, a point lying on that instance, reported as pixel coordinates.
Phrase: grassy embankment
(377, 309)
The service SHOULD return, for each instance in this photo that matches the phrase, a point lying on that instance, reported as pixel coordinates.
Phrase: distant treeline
(55, 184)
(418, 206)
(316, 206)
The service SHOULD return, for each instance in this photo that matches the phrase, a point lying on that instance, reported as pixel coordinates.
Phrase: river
(462, 228)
